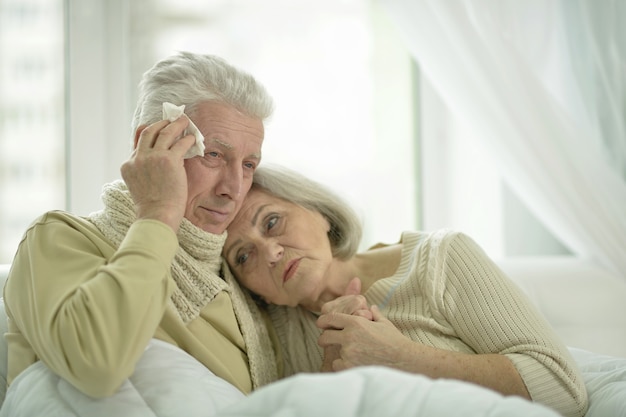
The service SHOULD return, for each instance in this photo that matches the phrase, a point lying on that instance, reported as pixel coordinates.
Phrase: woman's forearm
(493, 371)
(356, 341)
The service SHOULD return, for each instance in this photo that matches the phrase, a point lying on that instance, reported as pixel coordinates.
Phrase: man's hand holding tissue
(155, 172)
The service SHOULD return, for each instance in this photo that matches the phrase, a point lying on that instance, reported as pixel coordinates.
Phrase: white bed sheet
(169, 382)
(378, 391)
(605, 379)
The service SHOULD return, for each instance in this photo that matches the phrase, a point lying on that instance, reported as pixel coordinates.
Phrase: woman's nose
(274, 252)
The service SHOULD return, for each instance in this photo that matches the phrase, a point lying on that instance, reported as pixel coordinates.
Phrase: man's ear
(137, 134)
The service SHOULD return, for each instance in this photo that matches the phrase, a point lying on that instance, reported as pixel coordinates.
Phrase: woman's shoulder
(426, 245)
(433, 238)
(429, 251)
(438, 237)
(407, 237)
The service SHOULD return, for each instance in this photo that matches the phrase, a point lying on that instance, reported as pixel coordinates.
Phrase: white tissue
(172, 112)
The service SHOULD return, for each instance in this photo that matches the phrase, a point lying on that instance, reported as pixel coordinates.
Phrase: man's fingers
(164, 135)
(171, 134)
(149, 134)
(184, 144)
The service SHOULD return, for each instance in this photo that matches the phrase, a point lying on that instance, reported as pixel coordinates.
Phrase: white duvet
(169, 382)
(605, 379)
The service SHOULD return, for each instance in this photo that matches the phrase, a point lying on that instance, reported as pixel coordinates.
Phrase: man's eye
(212, 154)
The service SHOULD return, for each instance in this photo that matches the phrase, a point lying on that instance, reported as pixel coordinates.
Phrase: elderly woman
(439, 306)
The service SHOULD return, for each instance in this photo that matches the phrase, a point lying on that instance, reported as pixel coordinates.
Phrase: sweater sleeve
(88, 311)
(492, 315)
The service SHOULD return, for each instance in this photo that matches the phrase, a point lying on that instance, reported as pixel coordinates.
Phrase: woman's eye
(271, 223)
(241, 259)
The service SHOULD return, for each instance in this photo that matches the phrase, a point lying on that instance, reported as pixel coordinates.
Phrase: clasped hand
(355, 334)
(155, 172)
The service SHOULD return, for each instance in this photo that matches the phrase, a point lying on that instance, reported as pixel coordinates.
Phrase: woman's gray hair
(190, 79)
(345, 226)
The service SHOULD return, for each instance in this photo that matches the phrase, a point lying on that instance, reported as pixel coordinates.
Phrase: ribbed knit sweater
(448, 294)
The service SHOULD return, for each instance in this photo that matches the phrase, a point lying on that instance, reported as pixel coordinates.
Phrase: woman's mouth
(291, 269)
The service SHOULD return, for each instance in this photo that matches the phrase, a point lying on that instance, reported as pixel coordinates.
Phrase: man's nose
(231, 182)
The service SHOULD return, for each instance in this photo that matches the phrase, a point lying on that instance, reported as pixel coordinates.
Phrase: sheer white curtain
(541, 84)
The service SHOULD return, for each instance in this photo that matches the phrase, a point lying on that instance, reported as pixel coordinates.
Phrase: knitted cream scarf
(196, 273)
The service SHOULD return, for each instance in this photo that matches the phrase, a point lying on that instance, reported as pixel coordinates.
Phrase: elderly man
(86, 294)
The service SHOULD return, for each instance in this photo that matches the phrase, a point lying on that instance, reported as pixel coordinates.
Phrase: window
(32, 115)
(340, 78)
(463, 190)
(347, 115)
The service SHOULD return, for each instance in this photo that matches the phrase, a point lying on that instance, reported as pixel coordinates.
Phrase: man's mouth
(219, 215)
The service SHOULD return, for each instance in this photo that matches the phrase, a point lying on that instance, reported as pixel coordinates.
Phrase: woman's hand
(357, 341)
(352, 302)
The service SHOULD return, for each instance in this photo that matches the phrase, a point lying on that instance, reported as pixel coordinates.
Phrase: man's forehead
(221, 143)
(253, 148)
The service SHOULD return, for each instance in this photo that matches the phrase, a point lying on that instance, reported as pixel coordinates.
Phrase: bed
(585, 304)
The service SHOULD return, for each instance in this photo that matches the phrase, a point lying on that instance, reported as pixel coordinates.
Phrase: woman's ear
(137, 134)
